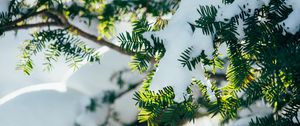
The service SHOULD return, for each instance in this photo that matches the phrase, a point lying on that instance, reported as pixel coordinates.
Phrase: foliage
(106, 13)
(263, 46)
(144, 50)
(263, 65)
(160, 108)
(55, 43)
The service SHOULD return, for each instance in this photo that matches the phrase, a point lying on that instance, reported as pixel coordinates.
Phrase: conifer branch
(60, 21)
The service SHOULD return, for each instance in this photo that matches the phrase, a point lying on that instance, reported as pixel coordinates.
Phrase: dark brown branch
(87, 35)
(28, 26)
(218, 76)
(25, 17)
(99, 41)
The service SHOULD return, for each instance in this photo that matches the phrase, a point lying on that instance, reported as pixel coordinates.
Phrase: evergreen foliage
(160, 109)
(56, 43)
(263, 65)
(135, 42)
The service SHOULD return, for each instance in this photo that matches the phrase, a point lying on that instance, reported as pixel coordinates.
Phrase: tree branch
(218, 76)
(28, 26)
(99, 41)
(87, 35)
(23, 18)
(62, 22)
